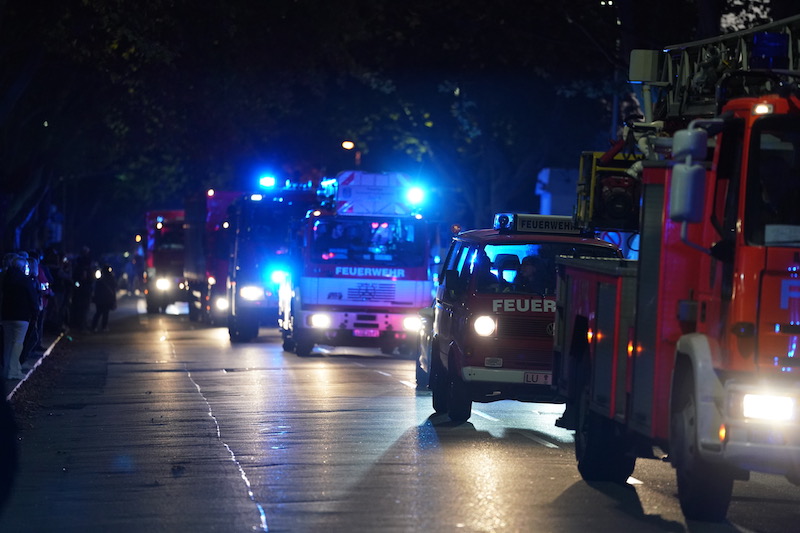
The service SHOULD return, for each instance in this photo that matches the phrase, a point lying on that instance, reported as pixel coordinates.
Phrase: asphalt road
(163, 425)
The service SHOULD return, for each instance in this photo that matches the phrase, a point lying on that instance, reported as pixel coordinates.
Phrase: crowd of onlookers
(49, 292)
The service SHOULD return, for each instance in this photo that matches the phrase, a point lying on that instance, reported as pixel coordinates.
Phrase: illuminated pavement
(163, 425)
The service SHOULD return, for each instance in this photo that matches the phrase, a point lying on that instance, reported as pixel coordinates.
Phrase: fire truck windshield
(366, 240)
(772, 216)
(525, 268)
(169, 237)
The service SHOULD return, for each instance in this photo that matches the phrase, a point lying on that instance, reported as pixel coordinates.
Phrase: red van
(493, 317)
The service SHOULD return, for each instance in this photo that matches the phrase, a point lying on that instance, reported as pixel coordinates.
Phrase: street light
(350, 145)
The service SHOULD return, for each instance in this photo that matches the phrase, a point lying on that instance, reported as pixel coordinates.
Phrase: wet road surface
(162, 425)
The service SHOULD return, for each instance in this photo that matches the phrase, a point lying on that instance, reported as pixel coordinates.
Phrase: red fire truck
(692, 349)
(492, 325)
(262, 225)
(207, 253)
(163, 278)
(362, 267)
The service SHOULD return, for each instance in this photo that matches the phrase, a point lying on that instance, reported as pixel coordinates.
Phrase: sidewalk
(49, 341)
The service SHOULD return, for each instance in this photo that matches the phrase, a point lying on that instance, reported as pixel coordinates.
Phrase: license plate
(538, 378)
(366, 332)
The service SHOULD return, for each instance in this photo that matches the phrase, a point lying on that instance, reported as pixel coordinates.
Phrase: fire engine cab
(692, 348)
(495, 308)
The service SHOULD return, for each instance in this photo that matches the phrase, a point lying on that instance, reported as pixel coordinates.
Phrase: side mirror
(687, 193)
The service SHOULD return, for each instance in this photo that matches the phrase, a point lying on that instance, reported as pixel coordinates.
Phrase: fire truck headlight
(412, 323)
(320, 320)
(768, 407)
(484, 325)
(251, 293)
(163, 284)
(221, 304)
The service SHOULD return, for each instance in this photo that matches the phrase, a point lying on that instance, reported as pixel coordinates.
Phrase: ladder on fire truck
(687, 76)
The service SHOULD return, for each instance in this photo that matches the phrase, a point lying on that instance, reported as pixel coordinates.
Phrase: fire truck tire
(194, 313)
(459, 403)
(704, 489)
(303, 344)
(422, 377)
(288, 342)
(438, 384)
(599, 448)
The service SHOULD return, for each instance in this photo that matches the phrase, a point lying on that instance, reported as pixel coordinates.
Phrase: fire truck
(492, 323)
(362, 267)
(163, 278)
(259, 260)
(692, 348)
(207, 254)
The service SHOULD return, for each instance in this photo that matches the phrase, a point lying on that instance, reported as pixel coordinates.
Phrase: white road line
(484, 415)
(409, 384)
(388, 375)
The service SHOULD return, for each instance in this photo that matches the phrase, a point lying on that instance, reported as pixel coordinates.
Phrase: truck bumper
(360, 328)
(491, 384)
(766, 440)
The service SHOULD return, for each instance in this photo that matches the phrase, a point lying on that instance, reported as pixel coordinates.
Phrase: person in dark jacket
(19, 308)
(105, 297)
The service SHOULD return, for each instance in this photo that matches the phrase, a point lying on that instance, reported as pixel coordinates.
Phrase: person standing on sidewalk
(105, 298)
(19, 308)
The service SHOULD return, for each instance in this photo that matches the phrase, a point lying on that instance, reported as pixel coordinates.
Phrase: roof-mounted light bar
(524, 223)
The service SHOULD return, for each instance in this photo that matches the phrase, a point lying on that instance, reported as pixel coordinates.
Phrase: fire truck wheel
(288, 342)
(459, 403)
(601, 451)
(704, 489)
(439, 385)
(303, 344)
(422, 377)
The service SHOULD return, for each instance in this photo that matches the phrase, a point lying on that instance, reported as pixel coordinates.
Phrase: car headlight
(484, 325)
(252, 292)
(768, 407)
(320, 320)
(412, 323)
(221, 304)
(163, 284)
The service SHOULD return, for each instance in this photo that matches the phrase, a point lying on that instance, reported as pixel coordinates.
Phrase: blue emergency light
(268, 182)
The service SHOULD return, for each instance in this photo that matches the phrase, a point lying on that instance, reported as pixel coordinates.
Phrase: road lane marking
(484, 415)
(262, 513)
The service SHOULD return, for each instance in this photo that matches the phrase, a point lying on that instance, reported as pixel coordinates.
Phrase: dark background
(109, 108)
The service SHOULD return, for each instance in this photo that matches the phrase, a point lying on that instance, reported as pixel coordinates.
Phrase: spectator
(18, 310)
(41, 284)
(57, 310)
(105, 298)
(83, 279)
